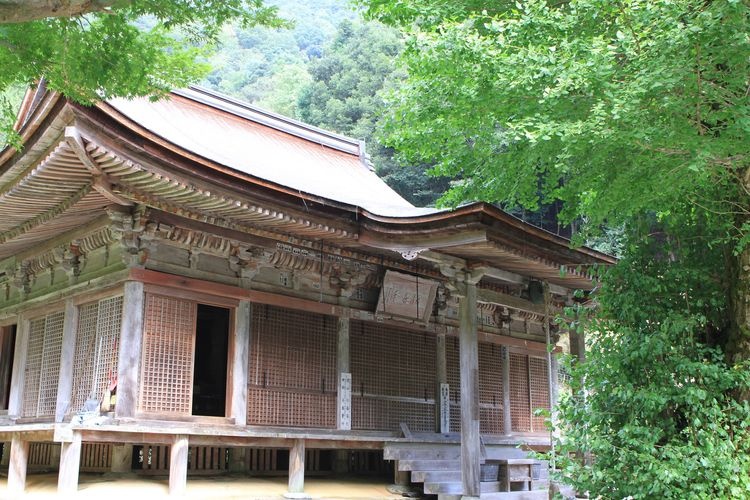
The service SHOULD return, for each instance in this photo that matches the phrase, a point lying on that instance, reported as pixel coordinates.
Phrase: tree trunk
(738, 341)
(20, 11)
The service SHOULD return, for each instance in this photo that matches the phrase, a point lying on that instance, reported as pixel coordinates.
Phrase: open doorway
(7, 346)
(210, 367)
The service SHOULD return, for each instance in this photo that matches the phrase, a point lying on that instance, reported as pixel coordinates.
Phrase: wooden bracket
(101, 182)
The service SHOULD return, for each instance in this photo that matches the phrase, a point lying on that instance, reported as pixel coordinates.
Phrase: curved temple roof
(215, 160)
(269, 147)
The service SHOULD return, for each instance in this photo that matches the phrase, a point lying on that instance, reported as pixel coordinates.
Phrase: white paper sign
(445, 409)
(345, 402)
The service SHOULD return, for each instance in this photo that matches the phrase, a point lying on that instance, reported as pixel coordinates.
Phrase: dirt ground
(132, 487)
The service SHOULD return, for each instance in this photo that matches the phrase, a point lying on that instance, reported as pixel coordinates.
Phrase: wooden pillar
(178, 463)
(578, 345)
(344, 377)
(297, 470)
(15, 400)
(129, 362)
(469, 363)
(122, 457)
(238, 459)
(67, 353)
(70, 461)
(507, 418)
(19, 459)
(241, 355)
(442, 393)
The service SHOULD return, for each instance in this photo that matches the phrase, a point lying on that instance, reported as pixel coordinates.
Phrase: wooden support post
(344, 377)
(578, 345)
(297, 470)
(241, 355)
(178, 464)
(129, 361)
(238, 459)
(70, 461)
(507, 418)
(19, 459)
(341, 461)
(122, 458)
(442, 421)
(469, 363)
(15, 400)
(5, 460)
(67, 353)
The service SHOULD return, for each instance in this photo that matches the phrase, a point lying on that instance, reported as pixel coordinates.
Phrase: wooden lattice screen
(539, 390)
(393, 377)
(520, 403)
(292, 368)
(490, 386)
(42, 370)
(529, 389)
(97, 347)
(168, 347)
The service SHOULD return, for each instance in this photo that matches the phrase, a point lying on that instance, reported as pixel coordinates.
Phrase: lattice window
(292, 368)
(42, 371)
(393, 377)
(490, 388)
(167, 365)
(452, 359)
(97, 347)
(539, 387)
(520, 411)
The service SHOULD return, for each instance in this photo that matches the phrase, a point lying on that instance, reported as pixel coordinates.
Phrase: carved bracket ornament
(128, 228)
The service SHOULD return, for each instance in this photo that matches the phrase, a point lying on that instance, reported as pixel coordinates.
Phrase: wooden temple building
(195, 285)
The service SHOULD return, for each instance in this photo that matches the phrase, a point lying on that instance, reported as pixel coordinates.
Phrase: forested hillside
(330, 69)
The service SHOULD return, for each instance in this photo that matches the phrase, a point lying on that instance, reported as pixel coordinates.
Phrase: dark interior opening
(211, 353)
(7, 346)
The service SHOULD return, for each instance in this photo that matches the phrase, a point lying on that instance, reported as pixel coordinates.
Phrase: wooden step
(432, 476)
(455, 488)
(416, 451)
(516, 495)
(429, 465)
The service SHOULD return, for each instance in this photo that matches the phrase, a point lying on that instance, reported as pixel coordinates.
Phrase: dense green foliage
(590, 100)
(656, 397)
(635, 115)
(346, 94)
(128, 51)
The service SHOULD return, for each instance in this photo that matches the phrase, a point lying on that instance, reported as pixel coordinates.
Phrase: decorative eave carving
(128, 229)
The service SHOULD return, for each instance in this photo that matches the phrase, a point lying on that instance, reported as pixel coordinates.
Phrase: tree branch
(20, 11)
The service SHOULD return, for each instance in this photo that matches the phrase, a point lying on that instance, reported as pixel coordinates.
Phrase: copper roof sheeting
(211, 159)
(278, 150)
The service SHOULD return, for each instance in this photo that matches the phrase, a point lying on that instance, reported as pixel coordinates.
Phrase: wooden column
(122, 457)
(19, 459)
(507, 419)
(178, 463)
(442, 421)
(129, 362)
(67, 353)
(241, 355)
(469, 363)
(578, 345)
(297, 470)
(344, 377)
(70, 461)
(15, 400)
